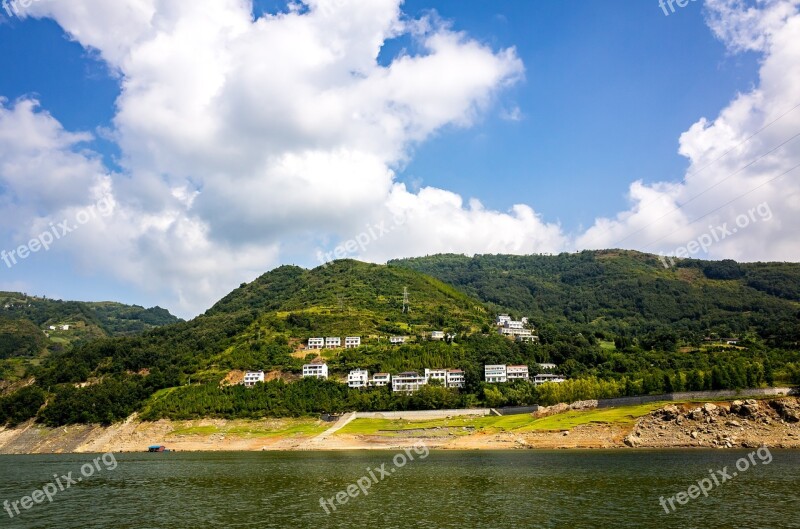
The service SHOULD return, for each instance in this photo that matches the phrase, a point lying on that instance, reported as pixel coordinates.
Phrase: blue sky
(608, 89)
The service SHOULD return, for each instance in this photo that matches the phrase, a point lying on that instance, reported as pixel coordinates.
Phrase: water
(444, 490)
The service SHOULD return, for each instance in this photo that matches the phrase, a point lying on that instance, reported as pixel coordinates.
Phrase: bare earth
(751, 423)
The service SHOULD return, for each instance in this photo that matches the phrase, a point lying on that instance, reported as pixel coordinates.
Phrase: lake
(503, 489)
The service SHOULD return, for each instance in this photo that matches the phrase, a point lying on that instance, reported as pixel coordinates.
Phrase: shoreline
(720, 425)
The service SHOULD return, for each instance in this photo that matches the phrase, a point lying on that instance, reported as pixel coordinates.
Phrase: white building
(251, 378)
(358, 378)
(315, 371)
(333, 342)
(397, 340)
(65, 327)
(351, 342)
(526, 338)
(315, 343)
(436, 374)
(541, 379)
(381, 379)
(547, 367)
(437, 335)
(407, 382)
(517, 373)
(502, 319)
(52, 327)
(514, 328)
(495, 373)
(455, 378)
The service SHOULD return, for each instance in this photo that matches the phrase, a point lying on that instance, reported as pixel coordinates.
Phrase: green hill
(31, 327)
(614, 322)
(618, 293)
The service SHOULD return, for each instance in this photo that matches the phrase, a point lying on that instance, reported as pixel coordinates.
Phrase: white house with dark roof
(315, 370)
(517, 373)
(251, 378)
(380, 380)
(351, 342)
(315, 343)
(358, 378)
(407, 382)
(455, 378)
(495, 373)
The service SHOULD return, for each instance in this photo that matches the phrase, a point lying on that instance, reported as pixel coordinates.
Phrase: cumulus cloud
(744, 158)
(242, 135)
(244, 138)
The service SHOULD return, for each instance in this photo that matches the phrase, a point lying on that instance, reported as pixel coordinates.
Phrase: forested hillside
(632, 295)
(31, 327)
(613, 322)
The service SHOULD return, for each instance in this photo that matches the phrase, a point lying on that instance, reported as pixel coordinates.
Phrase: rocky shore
(738, 424)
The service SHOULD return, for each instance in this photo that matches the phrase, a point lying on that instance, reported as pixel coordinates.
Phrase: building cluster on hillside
(501, 373)
(516, 329)
(334, 342)
(407, 382)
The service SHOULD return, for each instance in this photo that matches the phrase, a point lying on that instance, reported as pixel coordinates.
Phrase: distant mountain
(31, 325)
(627, 293)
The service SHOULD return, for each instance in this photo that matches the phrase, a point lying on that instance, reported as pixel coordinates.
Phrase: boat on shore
(157, 448)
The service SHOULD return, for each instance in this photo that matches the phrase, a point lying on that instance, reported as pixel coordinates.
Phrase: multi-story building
(547, 367)
(333, 342)
(397, 340)
(542, 379)
(351, 342)
(315, 370)
(495, 373)
(407, 382)
(517, 373)
(251, 378)
(455, 378)
(358, 378)
(380, 380)
(502, 319)
(436, 374)
(315, 343)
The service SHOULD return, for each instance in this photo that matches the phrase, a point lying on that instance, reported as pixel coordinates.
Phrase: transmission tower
(405, 300)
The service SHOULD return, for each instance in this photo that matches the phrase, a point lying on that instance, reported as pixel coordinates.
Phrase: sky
(163, 152)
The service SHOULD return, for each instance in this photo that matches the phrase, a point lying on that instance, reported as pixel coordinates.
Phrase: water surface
(551, 489)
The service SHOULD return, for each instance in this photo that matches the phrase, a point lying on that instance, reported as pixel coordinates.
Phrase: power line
(725, 204)
(615, 245)
(715, 160)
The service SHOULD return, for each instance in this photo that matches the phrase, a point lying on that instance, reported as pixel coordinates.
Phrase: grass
(511, 423)
(250, 429)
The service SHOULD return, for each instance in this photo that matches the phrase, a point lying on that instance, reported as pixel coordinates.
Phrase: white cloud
(730, 160)
(242, 135)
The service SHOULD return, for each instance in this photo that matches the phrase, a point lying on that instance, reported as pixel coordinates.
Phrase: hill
(618, 293)
(31, 326)
(625, 344)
